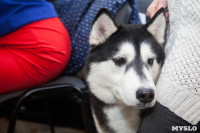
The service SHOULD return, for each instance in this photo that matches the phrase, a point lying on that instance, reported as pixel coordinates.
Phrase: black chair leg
(13, 119)
(22, 98)
(85, 109)
(85, 116)
(49, 117)
(48, 90)
(12, 123)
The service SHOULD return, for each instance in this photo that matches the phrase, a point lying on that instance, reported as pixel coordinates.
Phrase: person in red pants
(34, 44)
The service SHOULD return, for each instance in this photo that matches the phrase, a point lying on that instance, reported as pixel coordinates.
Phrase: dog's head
(124, 61)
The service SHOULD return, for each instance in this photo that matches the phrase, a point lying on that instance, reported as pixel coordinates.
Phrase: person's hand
(155, 6)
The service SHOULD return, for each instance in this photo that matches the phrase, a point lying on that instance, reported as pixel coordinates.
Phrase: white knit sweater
(178, 87)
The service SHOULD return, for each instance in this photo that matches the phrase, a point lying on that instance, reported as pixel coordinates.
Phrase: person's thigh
(34, 54)
(161, 120)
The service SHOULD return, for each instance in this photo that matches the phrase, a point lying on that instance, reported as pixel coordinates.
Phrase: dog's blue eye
(119, 61)
(150, 61)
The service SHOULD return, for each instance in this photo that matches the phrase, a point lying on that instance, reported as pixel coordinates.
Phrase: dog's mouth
(143, 105)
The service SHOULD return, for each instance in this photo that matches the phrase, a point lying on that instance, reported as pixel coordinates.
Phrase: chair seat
(63, 80)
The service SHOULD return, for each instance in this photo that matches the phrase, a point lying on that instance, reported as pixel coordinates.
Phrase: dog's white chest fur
(122, 119)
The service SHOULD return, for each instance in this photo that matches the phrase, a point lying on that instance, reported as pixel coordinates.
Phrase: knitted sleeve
(178, 87)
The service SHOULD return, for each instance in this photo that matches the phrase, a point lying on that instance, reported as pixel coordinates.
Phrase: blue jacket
(17, 13)
(78, 15)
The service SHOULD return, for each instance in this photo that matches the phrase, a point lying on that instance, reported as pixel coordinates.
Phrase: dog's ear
(157, 26)
(102, 28)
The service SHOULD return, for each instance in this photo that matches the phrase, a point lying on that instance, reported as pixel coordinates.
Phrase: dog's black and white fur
(122, 67)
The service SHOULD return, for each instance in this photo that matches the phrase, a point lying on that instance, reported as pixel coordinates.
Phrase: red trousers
(33, 55)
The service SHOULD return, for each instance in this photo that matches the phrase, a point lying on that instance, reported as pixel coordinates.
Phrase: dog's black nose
(145, 95)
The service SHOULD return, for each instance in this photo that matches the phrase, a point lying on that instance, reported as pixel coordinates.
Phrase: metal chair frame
(80, 93)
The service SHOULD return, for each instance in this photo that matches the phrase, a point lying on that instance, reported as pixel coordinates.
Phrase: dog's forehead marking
(148, 77)
(146, 51)
(126, 50)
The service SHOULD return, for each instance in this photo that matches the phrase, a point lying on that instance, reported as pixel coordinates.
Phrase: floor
(31, 127)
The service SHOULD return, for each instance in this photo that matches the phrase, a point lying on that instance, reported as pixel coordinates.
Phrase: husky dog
(122, 67)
